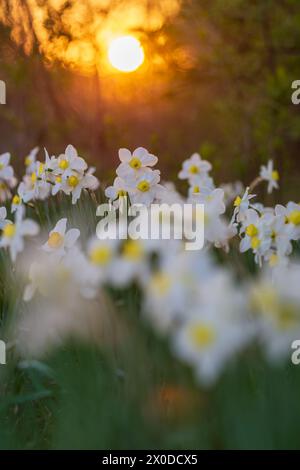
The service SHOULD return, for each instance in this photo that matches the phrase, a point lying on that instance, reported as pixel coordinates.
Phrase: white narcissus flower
(241, 205)
(67, 163)
(71, 274)
(6, 170)
(171, 290)
(60, 241)
(270, 175)
(216, 230)
(36, 185)
(5, 191)
(7, 179)
(258, 235)
(75, 183)
(134, 163)
(146, 188)
(276, 302)
(291, 213)
(200, 189)
(279, 232)
(276, 260)
(82, 273)
(13, 233)
(232, 191)
(214, 330)
(30, 160)
(118, 189)
(102, 255)
(213, 201)
(131, 263)
(194, 168)
(96, 182)
(169, 194)
(17, 200)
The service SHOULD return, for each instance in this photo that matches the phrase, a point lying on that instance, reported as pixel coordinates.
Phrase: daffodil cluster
(268, 232)
(68, 173)
(136, 178)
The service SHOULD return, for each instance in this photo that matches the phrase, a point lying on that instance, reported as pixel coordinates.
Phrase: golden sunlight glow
(125, 53)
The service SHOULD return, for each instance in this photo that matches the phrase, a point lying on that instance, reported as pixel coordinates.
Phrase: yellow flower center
(55, 240)
(9, 230)
(58, 179)
(100, 255)
(41, 168)
(28, 160)
(73, 181)
(143, 186)
(33, 177)
(275, 175)
(237, 201)
(1, 166)
(294, 217)
(16, 199)
(135, 163)
(196, 189)
(273, 261)
(63, 274)
(202, 335)
(161, 283)
(251, 230)
(63, 164)
(287, 316)
(194, 169)
(132, 249)
(255, 243)
(265, 299)
(122, 193)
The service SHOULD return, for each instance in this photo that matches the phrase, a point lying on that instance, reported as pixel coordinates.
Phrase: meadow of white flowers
(210, 311)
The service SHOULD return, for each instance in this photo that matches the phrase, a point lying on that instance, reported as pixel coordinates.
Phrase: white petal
(71, 152)
(29, 292)
(60, 227)
(124, 170)
(244, 245)
(110, 192)
(76, 194)
(91, 182)
(79, 164)
(195, 158)
(4, 158)
(125, 155)
(182, 175)
(71, 237)
(47, 158)
(56, 188)
(149, 160)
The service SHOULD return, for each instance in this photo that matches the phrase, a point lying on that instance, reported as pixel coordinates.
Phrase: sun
(125, 53)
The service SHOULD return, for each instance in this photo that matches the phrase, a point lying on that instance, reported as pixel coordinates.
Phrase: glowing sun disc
(126, 53)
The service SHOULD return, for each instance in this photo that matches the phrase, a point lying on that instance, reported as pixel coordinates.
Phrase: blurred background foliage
(216, 78)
